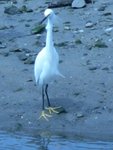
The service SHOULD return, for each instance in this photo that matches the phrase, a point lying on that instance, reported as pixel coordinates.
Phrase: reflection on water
(17, 142)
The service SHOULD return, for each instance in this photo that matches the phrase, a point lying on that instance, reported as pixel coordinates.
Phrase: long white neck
(49, 37)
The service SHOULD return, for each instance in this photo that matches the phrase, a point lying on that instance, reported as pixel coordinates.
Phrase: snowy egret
(46, 64)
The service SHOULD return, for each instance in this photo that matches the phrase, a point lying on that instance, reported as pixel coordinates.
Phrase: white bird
(46, 64)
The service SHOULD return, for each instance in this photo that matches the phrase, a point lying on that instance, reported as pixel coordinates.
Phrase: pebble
(105, 68)
(15, 50)
(78, 30)
(93, 68)
(61, 110)
(100, 44)
(3, 27)
(78, 41)
(89, 1)
(67, 28)
(78, 4)
(89, 25)
(30, 60)
(2, 46)
(109, 29)
(107, 14)
(79, 114)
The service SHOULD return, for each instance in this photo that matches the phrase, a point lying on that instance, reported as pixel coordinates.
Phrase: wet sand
(84, 41)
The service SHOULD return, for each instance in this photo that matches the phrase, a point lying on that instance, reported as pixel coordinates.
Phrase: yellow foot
(53, 109)
(44, 116)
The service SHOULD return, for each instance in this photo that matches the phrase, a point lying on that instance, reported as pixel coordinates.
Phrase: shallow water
(9, 141)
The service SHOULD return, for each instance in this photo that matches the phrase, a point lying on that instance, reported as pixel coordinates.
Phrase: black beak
(43, 19)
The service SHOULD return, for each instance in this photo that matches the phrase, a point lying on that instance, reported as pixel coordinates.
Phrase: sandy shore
(84, 41)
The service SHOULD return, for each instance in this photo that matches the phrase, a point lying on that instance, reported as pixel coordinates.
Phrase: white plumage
(46, 66)
(46, 63)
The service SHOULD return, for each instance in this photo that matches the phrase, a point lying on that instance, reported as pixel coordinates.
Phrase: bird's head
(49, 14)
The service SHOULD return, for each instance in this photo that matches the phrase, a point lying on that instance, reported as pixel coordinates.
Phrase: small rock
(67, 28)
(102, 8)
(60, 61)
(79, 114)
(105, 68)
(100, 44)
(78, 41)
(78, 4)
(11, 10)
(89, 25)
(59, 3)
(3, 27)
(62, 44)
(2, 46)
(78, 30)
(13, 1)
(25, 9)
(76, 93)
(22, 56)
(27, 25)
(15, 50)
(18, 89)
(93, 68)
(5, 54)
(30, 60)
(60, 110)
(89, 1)
(109, 29)
(18, 127)
(107, 14)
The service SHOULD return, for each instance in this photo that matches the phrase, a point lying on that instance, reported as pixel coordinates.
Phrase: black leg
(43, 97)
(46, 92)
